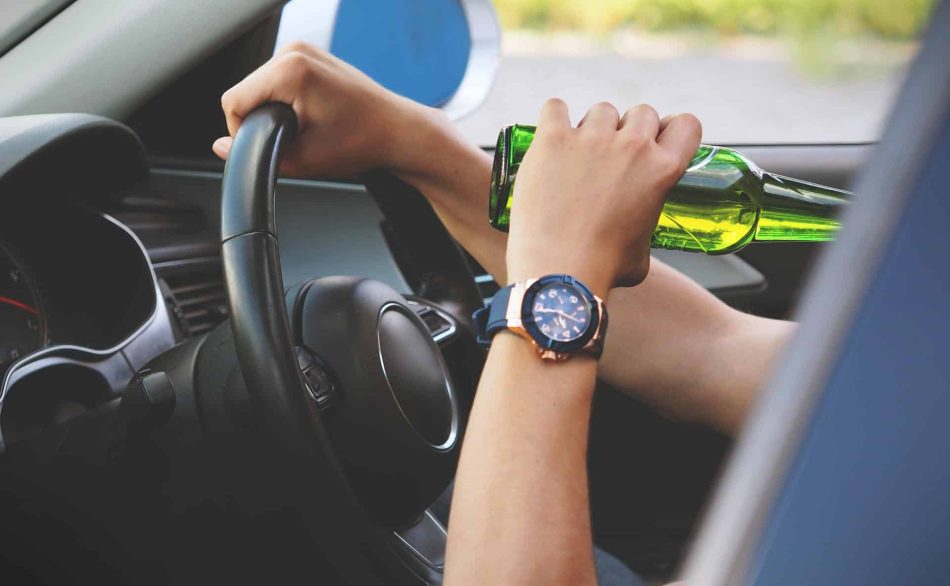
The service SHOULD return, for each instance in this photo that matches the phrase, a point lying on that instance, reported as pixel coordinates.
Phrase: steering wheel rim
(362, 551)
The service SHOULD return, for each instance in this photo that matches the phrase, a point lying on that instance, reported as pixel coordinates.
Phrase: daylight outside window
(754, 71)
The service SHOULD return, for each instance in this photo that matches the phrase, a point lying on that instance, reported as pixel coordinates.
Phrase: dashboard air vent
(484, 282)
(487, 287)
(194, 294)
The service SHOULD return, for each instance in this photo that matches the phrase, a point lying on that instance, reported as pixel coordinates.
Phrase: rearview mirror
(441, 53)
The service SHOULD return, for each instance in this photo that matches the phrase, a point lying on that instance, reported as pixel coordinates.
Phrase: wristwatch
(558, 314)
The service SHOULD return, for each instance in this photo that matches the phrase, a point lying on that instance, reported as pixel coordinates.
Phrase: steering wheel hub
(395, 423)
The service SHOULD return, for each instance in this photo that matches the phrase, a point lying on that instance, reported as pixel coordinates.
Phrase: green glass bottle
(722, 203)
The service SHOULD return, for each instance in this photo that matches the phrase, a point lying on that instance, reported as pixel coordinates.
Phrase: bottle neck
(795, 210)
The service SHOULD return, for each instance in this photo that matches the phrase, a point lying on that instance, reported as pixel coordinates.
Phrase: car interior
(153, 425)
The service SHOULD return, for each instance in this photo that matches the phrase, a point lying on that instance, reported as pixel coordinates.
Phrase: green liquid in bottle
(722, 203)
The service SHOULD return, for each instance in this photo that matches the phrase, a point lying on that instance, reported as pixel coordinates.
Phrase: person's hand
(588, 199)
(347, 122)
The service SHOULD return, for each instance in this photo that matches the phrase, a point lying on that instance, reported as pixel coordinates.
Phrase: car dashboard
(108, 261)
(80, 312)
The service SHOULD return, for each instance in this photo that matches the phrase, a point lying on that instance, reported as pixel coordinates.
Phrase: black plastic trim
(96, 152)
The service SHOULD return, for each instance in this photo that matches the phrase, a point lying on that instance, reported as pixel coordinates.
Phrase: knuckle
(645, 110)
(692, 122)
(606, 107)
(294, 67)
(297, 46)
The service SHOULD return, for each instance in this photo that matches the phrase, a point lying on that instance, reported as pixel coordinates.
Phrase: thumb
(222, 146)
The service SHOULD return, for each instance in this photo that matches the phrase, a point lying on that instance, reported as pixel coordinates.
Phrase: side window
(754, 71)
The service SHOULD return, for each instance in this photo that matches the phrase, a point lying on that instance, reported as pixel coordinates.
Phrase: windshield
(754, 71)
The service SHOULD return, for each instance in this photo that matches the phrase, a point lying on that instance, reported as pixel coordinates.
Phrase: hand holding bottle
(588, 198)
(722, 203)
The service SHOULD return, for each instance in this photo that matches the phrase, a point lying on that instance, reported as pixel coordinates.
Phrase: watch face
(561, 312)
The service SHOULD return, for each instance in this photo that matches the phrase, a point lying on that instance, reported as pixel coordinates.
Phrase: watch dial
(561, 312)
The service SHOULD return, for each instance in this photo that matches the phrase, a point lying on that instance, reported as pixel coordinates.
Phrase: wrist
(593, 273)
(417, 134)
(521, 352)
(429, 153)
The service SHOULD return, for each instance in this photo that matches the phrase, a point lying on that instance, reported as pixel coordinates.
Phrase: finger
(281, 79)
(299, 47)
(681, 136)
(554, 114)
(222, 147)
(642, 119)
(252, 91)
(601, 116)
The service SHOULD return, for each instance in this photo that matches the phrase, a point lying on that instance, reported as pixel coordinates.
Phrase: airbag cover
(395, 420)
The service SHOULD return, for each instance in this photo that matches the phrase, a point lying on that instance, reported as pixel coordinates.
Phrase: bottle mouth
(497, 199)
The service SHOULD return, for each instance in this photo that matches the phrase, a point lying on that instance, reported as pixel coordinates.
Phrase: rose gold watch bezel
(594, 347)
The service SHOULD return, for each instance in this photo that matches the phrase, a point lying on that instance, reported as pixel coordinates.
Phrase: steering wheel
(345, 378)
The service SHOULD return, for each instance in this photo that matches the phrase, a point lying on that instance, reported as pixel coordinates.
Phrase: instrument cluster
(68, 276)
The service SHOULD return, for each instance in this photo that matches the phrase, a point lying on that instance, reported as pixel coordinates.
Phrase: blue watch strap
(489, 320)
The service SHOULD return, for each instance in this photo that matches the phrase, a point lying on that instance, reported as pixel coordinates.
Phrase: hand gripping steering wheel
(352, 391)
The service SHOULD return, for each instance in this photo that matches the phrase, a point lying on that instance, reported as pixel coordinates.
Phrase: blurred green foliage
(886, 19)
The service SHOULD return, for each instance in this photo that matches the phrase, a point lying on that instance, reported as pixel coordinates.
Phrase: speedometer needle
(18, 305)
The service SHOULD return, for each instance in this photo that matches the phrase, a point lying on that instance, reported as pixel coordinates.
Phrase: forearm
(671, 343)
(681, 350)
(523, 466)
(454, 176)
